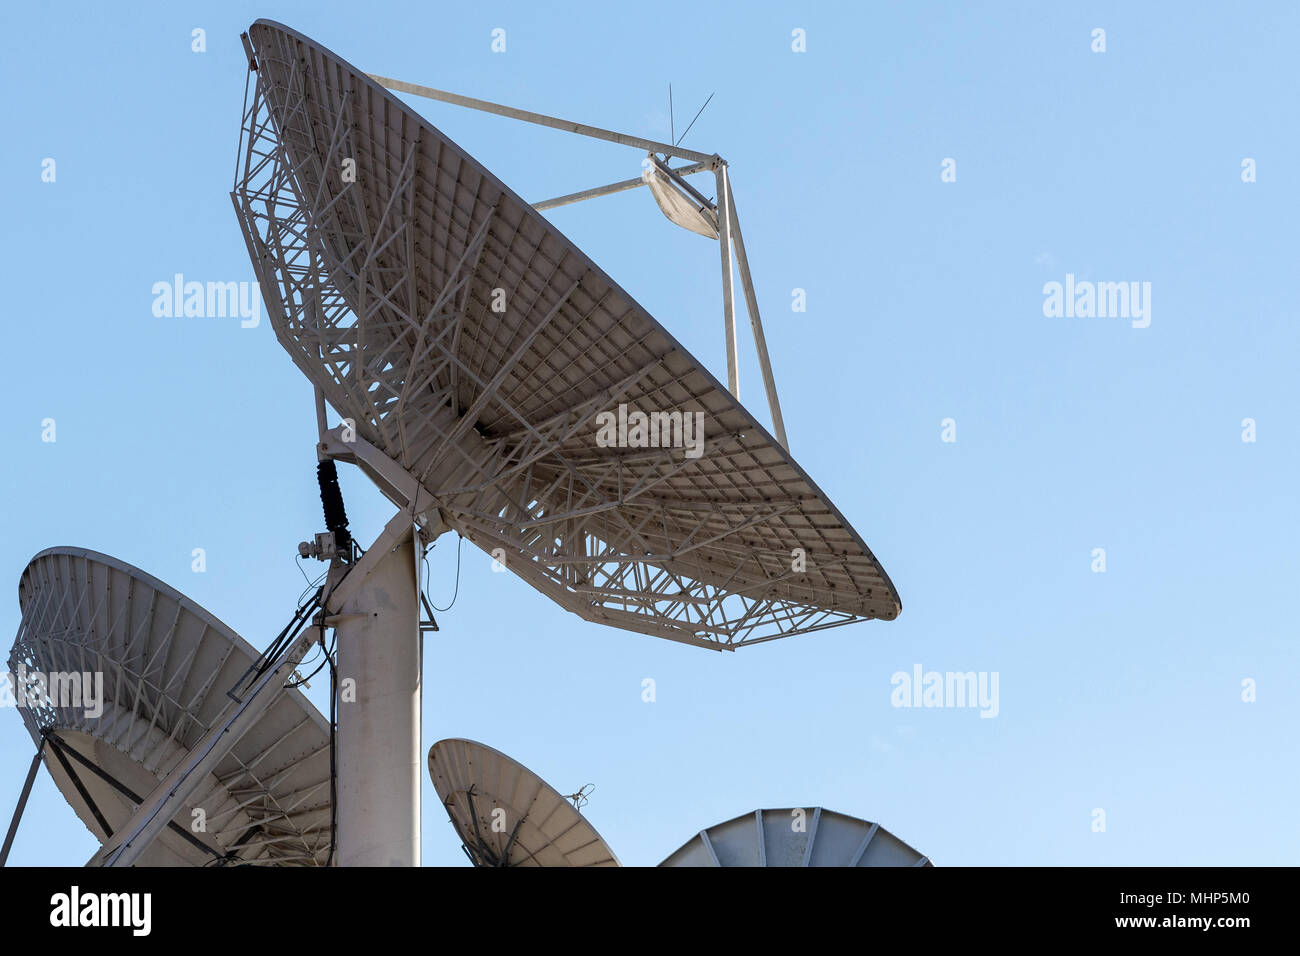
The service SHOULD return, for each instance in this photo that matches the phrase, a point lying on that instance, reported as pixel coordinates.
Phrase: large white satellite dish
(473, 346)
(166, 665)
(472, 351)
(506, 815)
(795, 837)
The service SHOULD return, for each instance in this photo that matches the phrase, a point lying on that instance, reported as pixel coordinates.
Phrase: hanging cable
(297, 560)
(302, 681)
(312, 585)
(268, 658)
(582, 797)
(334, 724)
(454, 594)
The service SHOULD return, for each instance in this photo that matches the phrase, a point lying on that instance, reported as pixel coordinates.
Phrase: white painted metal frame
(381, 288)
(129, 844)
(725, 208)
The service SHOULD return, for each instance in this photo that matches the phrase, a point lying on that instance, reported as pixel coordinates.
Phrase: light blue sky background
(1119, 690)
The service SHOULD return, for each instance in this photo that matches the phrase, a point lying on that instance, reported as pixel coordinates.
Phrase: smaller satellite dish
(165, 665)
(796, 837)
(506, 815)
(680, 206)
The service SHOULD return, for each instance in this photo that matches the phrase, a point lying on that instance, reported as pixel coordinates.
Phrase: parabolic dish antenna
(166, 666)
(796, 837)
(506, 815)
(495, 374)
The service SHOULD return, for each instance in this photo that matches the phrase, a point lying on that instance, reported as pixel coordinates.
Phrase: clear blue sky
(1119, 690)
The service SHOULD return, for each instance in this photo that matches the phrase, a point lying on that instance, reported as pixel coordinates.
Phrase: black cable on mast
(334, 728)
(331, 499)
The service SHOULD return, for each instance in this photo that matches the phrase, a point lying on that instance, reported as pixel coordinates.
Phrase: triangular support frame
(732, 244)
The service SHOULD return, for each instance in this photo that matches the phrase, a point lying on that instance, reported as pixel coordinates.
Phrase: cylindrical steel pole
(379, 759)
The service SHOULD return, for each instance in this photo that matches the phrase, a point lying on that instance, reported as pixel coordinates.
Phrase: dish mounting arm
(724, 208)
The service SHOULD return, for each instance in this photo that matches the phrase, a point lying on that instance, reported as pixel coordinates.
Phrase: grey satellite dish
(166, 665)
(473, 346)
(472, 351)
(796, 837)
(506, 815)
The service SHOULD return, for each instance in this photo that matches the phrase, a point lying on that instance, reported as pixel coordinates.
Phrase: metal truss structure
(466, 341)
(167, 666)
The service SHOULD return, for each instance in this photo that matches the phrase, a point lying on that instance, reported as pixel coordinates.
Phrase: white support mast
(380, 762)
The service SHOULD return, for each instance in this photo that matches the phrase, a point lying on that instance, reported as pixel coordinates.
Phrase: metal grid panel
(795, 837)
(382, 285)
(167, 665)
